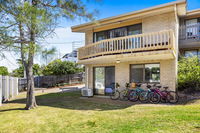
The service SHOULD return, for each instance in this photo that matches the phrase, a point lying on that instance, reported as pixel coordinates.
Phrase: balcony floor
(130, 57)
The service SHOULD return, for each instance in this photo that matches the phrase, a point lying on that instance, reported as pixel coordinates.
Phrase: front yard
(67, 112)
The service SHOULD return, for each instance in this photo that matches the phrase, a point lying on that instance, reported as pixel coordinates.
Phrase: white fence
(8, 88)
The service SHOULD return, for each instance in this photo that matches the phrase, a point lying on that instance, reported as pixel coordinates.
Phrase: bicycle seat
(148, 86)
(165, 87)
(138, 85)
(159, 86)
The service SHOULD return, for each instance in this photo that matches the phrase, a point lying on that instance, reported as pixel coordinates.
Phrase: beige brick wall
(168, 68)
(168, 73)
(159, 22)
(122, 73)
(88, 37)
(89, 76)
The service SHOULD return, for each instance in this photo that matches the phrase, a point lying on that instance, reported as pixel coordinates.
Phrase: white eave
(193, 12)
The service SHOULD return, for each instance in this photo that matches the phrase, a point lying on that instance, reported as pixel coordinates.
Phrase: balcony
(189, 36)
(134, 44)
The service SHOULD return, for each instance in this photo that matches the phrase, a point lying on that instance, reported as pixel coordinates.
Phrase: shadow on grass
(5, 110)
(72, 100)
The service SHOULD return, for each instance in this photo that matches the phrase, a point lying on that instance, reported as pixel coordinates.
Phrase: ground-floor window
(192, 53)
(145, 73)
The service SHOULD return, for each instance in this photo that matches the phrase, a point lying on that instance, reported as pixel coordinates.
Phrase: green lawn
(66, 112)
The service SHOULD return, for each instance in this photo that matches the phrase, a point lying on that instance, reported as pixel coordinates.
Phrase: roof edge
(130, 13)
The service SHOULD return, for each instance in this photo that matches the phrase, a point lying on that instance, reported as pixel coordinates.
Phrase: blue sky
(107, 8)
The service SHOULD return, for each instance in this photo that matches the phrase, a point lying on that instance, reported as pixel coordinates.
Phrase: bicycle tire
(115, 95)
(154, 98)
(172, 97)
(123, 96)
(163, 99)
(133, 96)
(144, 97)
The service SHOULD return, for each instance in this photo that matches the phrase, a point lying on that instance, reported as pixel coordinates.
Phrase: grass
(68, 113)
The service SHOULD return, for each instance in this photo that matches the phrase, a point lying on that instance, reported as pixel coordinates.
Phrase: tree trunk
(31, 101)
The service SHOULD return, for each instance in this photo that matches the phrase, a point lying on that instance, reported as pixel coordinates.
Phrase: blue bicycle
(134, 94)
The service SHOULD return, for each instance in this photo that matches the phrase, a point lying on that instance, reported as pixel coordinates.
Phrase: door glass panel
(135, 29)
(120, 32)
(192, 29)
(109, 77)
(100, 36)
(99, 80)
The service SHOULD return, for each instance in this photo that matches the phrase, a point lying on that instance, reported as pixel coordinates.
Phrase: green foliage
(48, 53)
(19, 72)
(3, 70)
(58, 67)
(189, 74)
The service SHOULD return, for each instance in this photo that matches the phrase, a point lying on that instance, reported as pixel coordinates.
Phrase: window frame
(197, 52)
(107, 31)
(144, 80)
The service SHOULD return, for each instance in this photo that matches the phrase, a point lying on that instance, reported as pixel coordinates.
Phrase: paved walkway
(58, 89)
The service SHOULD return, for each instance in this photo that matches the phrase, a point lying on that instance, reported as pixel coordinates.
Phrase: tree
(58, 67)
(48, 53)
(189, 74)
(25, 23)
(19, 72)
(4, 71)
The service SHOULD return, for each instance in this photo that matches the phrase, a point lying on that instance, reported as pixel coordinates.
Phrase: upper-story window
(192, 28)
(118, 32)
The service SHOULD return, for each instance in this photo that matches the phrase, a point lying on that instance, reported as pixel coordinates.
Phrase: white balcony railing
(129, 44)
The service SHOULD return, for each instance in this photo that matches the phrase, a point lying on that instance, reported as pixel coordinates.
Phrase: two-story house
(140, 46)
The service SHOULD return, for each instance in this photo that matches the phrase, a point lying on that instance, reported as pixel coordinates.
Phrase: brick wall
(122, 73)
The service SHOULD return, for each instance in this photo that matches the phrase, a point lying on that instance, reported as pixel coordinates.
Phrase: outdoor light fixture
(117, 61)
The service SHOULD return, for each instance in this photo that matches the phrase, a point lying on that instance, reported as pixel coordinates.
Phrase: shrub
(58, 67)
(3, 70)
(189, 74)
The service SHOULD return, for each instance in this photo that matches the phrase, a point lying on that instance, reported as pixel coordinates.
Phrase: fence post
(15, 86)
(1, 89)
(5, 91)
(11, 86)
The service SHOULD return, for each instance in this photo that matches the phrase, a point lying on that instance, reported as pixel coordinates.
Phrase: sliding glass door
(104, 77)
(99, 80)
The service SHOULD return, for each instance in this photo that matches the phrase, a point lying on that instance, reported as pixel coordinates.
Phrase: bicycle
(134, 94)
(124, 94)
(115, 94)
(164, 96)
(169, 96)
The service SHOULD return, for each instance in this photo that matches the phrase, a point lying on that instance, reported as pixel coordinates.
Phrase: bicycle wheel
(133, 96)
(143, 97)
(163, 98)
(115, 95)
(172, 97)
(123, 95)
(154, 97)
